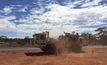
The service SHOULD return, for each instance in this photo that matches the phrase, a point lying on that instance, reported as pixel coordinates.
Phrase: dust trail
(64, 47)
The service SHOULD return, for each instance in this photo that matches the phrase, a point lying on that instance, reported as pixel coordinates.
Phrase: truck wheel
(77, 48)
(43, 49)
(50, 48)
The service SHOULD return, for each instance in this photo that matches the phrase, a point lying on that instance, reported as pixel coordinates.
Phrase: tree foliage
(92, 38)
(102, 35)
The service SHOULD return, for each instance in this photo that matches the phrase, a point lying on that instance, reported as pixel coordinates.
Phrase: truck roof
(39, 34)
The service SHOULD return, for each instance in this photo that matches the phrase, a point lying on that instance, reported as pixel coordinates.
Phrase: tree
(26, 39)
(26, 36)
(4, 37)
(92, 38)
(1, 39)
(102, 35)
(73, 32)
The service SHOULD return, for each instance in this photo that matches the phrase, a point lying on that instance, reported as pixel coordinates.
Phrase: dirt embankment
(37, 57)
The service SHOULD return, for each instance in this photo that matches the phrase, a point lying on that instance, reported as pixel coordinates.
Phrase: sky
(20, 18)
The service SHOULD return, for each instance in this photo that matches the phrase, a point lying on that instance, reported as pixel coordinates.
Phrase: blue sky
(20, 18)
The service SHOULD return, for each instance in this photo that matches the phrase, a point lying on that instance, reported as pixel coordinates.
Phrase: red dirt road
(36, 57)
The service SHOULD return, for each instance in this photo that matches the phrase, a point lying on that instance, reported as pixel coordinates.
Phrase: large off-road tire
(50, 48)
(76, 47)
(43, 49)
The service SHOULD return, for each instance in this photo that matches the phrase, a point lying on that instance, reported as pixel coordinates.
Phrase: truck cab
(39, 39)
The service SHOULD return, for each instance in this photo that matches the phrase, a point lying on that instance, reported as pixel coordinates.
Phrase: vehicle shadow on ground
(37, 54)
(44, 54)
(83, 52)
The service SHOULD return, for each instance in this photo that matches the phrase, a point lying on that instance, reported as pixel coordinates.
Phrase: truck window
(36, 37)
(42, 37)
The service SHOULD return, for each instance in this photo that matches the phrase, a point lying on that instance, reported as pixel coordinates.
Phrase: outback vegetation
(97, 39)
(9, 42)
